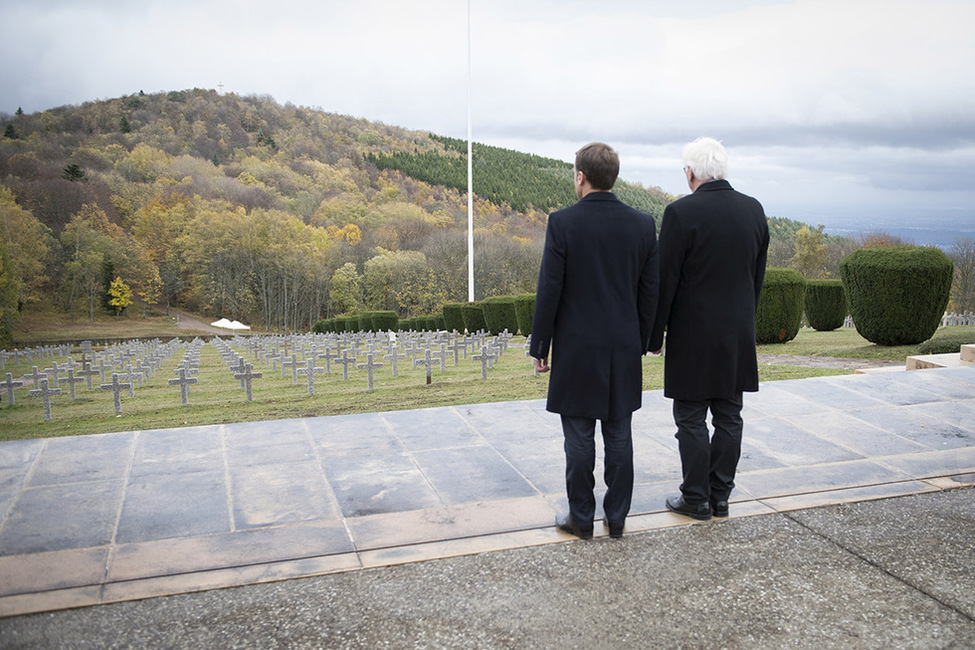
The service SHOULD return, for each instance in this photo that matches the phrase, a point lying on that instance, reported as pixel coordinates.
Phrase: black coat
(713, 248)
(597, 296)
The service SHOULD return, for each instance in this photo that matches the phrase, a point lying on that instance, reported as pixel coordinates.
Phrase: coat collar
(599, 195)
(714, 185)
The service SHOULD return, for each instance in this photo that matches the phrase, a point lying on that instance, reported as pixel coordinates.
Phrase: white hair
(707, 158)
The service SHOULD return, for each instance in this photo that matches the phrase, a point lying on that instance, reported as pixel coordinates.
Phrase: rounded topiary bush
(779, 313)
(499, 314)
(322, 326)
(825, 304)
(384, 321)
(473, 317)
(897, 294)
(353, 324)
(452, 317)
(525, 312)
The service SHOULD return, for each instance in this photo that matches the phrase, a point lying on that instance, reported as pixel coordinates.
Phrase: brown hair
(600, 163)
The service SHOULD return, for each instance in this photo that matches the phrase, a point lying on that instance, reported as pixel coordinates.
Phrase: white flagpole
(470, 171)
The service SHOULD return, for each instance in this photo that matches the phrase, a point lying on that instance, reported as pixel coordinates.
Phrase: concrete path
(121, 517)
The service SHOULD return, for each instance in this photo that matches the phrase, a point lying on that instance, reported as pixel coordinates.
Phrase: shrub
(779, 313)
(338, 324)
(435, 323)
(452, 317)
(352, 324)
(473, 317)
(384, 321)
(825, 304)
(322, 326)
(897, 294)
(946, 343)
(525, 312)
(499, 314)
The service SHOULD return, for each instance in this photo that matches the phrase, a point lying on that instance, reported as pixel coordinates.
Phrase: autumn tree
(28, 244)
(9, 314)
(120, 296)
(962, 254)
(811, 253)
(89, 242)
(345, 290)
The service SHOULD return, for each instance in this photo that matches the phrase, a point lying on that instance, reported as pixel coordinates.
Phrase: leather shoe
(701, 512)
(614, 531)
(566, 524)
(719, 508)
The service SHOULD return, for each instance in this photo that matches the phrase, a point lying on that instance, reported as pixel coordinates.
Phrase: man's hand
(541, 365)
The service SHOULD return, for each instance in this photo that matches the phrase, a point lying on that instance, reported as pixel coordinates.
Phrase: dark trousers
(708, 462)
(580, 462)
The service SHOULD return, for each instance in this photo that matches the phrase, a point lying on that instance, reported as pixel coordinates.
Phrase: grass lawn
(217, 397)
(845, 342)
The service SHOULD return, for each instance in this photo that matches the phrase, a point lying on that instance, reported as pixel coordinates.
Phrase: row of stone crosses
(122, 367)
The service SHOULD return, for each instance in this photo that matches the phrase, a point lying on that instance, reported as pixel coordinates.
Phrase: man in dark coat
(596, 300)
(713, 247)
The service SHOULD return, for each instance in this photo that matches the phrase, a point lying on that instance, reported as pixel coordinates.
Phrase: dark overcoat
(713, 248)
(596, 300)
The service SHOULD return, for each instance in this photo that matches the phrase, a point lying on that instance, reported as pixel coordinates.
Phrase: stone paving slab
(104, 518)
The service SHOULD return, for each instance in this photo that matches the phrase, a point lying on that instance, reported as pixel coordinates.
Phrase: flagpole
(470, 171)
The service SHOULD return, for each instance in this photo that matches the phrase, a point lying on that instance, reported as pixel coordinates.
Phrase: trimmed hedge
(825, 304)
(452, 317)
(383, 321)
(946, 343)
(525, 312)
(352, 324)
(897, 294)
(473, 317)
(499, 314)
(323, 326)
(779, 313)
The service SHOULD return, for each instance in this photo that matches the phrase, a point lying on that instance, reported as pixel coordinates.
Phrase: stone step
(968, 353)
(873, 371)
(922, 361)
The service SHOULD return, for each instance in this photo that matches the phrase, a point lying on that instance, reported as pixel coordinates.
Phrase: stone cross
(130, 376)
(328, 355)
(45, 394)
(72, 380)
(184, 384)
(345, 361)
(293, 364)
(485, 357)
(246, 376)
(35, 377)
(9, 385)
(427, 361)
(88, 372)
(311, 371)
(102, 368)
(368, 366)
(4, 355)
(117, 387)
(393, 357)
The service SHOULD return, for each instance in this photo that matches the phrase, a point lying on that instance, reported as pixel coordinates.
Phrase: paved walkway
(120, 517)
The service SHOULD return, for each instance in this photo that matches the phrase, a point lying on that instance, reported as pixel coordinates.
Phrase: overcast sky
(858, 114)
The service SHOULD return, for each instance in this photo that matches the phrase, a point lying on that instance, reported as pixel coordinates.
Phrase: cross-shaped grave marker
(184, 384)
(45, 394)
(486, 356)
(291, 362)
(117, 387)
(368, 366)
(9, 384)
(246, 376)
(310, 370)
(345, 361)
(72, 380)
(427, 361)
(88, 372)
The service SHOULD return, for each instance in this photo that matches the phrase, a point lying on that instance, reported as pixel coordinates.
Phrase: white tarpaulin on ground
(230, 325)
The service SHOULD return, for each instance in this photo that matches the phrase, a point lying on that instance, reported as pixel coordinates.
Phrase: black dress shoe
(566, 524)
(719, 508)
(614, 531)
(701, 512)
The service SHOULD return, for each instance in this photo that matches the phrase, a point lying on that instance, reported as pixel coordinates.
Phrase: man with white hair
(712, 250)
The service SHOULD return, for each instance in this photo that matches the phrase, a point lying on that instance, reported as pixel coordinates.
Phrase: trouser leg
(618, 443)
(693, 441)
(580, 461)
(725, 446)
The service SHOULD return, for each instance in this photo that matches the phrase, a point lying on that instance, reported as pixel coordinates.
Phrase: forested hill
(276, 215)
